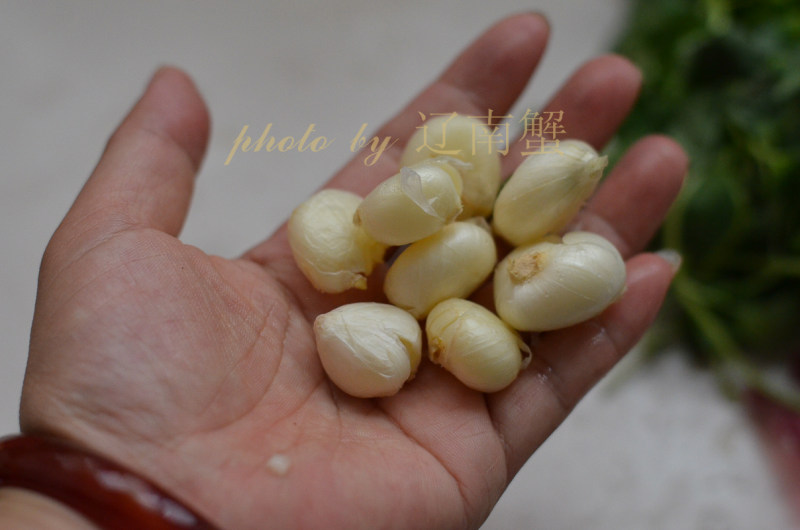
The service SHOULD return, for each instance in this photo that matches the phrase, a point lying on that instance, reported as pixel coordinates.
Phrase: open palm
(196, 370)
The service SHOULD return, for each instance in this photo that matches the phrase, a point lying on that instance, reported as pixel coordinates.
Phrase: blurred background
(655, 446)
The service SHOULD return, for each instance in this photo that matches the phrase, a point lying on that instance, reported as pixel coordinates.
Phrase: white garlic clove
(412, 204)
(551, 285)
(473, 344)
(469, 141)
(451, 263)
(546, 191)
(331, 251)
(368, 349)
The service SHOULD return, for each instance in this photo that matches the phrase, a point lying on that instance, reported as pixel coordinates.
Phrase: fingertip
(665, 147)
(597, 98)
(617, 72)
(649, 278)
(521, 41)
(615, 68)
(531, 24)
(165, 70)
(621, 65)
(534, 23)
(648, 178)
(661, 165)
(509, 50)
(533, 31)
(178, 109)
(541, 16)
(669, 151)
(670, 155)
(167, 73)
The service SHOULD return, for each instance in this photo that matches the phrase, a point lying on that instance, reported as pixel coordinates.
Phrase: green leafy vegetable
(722, 77)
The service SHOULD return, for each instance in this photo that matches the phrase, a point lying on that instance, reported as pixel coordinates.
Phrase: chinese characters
(540, 133)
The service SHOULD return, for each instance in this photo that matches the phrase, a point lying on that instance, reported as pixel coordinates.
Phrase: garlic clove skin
(413, 204)
(451, 263)
(550, 284)
(546, 191)
(332, 252)
(473, 344)
(368, 349)
(464, 139)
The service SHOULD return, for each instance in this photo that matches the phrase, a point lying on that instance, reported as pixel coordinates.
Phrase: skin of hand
(194, 370)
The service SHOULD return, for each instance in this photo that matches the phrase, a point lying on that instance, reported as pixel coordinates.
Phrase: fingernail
(671, 256)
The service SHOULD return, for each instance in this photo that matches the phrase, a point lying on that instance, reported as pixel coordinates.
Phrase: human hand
(195, 370)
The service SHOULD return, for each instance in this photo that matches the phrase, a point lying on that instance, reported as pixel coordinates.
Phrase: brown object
(104, 492)
(779, 428)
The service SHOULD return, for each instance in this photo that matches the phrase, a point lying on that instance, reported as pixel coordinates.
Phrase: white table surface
(660, 451)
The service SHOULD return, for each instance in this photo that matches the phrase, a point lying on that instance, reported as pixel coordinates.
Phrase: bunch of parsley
(722, 77)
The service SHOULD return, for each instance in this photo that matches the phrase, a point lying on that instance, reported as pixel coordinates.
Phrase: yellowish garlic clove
(331, 251)
(467, 140)
(554, 284)
(473, 344)
(451, 263)
(368, 349)
(412, 204)
(546, 191)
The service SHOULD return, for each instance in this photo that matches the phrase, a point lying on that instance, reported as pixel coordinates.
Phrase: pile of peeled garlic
(437, 208)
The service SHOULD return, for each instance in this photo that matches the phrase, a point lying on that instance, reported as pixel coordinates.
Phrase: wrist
(24, 510)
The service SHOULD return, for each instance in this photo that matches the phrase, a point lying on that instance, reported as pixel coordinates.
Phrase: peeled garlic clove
(368, 349)
(473, 344)
(546, 191)
(412, 204)
(451, 263)
(331, 251)
(550, 284)
(467, 140)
